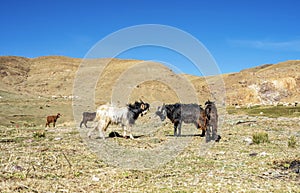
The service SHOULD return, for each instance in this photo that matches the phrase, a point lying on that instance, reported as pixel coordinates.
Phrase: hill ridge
(54, 75)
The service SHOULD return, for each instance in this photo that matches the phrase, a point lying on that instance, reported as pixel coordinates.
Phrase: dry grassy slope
(150, 89)
(54, 75)
(265, 84)
(51, 75)
(13, 72)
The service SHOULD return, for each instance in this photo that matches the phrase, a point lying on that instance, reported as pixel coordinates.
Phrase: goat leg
(92, 130)
(101, 133)
(175, 128)
(215, 135)
(130, 134)
(208, 134)
(103, 127)
(179, 129)
(203, 133)
(124, 131)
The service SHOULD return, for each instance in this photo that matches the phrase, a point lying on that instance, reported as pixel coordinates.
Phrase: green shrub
(261, 137)
(292, 142)
(38, 135)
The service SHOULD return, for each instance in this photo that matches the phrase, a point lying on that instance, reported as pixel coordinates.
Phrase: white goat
(125, 116)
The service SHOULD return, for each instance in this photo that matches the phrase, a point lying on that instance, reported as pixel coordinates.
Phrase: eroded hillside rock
(271, 91)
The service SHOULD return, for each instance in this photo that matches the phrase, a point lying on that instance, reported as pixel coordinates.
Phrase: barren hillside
(266, 84)
(54, 76)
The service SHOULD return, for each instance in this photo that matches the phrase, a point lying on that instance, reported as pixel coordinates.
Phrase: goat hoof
(218, 138)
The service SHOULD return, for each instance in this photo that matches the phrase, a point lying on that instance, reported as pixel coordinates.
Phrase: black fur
(136, 109)
(178, 113)
(212, 122)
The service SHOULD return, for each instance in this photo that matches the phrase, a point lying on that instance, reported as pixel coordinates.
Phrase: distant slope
(54, 76)
(13, 72)
(266, 84)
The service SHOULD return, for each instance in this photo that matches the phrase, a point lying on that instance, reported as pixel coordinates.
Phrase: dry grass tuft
(261, 137)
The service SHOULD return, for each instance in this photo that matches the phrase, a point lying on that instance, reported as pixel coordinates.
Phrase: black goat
(211, 113)
(87, 116)
(187, 113)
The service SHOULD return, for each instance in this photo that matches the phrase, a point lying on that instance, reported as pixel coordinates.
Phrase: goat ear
(143, 106)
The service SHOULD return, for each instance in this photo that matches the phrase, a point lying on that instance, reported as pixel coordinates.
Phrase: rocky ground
(62, 160)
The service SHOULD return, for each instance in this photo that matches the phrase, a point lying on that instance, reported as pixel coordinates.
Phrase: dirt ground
(62, 159)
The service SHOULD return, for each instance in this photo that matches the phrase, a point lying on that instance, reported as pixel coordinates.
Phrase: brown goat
(52, 119)
(202, 122)
(211, 122)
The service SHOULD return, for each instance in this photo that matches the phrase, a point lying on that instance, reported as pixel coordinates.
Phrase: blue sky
(239, 34)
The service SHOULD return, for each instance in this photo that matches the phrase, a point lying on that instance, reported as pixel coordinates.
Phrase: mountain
(266, 84)
(53, 76)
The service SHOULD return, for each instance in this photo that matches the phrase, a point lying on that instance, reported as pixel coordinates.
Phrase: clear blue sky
(239, 34)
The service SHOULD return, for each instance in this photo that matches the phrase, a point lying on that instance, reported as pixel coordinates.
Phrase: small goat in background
(52, 119)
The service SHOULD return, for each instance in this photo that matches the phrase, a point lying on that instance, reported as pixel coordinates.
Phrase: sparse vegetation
(38, 134)
(260, 137)
(268, 111)
(292, 142)
(60, 161)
